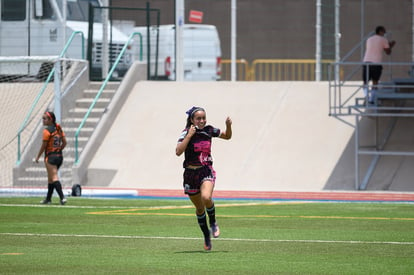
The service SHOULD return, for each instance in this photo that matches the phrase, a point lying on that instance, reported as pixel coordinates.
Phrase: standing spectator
(199, 175)
(53, 143)
(375, 46)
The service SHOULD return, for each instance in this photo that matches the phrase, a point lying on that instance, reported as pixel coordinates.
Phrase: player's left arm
(227, 133)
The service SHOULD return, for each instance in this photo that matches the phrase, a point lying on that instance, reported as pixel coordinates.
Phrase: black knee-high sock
(50, 187)
(211, 214)
(202, 222)
(58, 187)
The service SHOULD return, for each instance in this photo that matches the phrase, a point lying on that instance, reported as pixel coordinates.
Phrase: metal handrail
(49, 77)
(98, 95)
(342, 105)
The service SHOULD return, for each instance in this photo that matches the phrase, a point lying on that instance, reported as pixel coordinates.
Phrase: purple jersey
(198, 151)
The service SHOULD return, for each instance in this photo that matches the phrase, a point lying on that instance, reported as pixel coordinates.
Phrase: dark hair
(53, 118)
(379, 29)
(191, 113)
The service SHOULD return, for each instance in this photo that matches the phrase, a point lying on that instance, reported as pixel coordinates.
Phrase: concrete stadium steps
(73, 122)
(83, 130)
(107, 93)
(34, 182)
(86, 102)
(35, 174)
(80, 112)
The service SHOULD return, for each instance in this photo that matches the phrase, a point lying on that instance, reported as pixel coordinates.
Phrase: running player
(199, 175)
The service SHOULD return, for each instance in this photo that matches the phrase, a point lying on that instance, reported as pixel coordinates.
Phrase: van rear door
(201, 52)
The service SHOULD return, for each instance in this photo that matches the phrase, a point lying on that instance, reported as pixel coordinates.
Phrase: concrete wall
(283, 137)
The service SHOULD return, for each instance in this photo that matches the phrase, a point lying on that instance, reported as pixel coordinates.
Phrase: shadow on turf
(200, 251)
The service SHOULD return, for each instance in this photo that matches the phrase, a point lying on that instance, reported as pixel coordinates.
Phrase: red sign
(195, 16)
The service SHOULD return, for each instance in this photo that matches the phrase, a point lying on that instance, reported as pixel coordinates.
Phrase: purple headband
(194, 109)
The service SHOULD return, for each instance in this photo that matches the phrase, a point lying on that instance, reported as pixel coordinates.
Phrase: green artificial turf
(137, 236)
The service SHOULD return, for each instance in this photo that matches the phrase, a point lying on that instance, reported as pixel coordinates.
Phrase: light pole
(179, 56)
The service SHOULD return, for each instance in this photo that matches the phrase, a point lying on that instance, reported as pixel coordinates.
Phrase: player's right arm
(183, 141)
(45, 141)
(42, 149)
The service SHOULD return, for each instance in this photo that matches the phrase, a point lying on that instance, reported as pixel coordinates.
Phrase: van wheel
(76, 190)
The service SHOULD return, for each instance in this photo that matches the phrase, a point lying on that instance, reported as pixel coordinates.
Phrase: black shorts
(55, 159)
(193, 178)
(374, 73)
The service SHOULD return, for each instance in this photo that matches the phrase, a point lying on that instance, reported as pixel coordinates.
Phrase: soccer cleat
(207, 243)
(215, 230)
(45, 201)
(63, 202)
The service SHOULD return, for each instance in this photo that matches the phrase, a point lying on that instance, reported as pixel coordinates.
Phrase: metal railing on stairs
(102, 88)
(392, 101)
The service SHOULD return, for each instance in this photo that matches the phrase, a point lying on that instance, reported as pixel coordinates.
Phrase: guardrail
(39, 95)
(275, 70)
(242, 68)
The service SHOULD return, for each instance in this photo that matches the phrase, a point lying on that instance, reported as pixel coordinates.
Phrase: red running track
(318, 196)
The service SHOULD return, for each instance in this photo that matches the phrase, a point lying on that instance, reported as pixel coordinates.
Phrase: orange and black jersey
(53, 136)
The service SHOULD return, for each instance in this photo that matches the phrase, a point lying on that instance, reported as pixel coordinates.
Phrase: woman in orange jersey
(53, 143)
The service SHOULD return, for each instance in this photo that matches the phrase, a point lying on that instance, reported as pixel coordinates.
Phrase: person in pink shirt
(375, 46)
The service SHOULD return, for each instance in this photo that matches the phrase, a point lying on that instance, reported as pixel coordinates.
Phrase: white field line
(190, 238)
(125, 210)
(66, 206)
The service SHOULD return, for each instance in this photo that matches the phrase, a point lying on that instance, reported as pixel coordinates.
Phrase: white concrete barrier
(283, 138)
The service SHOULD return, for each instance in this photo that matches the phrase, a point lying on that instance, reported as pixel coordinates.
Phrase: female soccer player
(54, 141)
(199, 175)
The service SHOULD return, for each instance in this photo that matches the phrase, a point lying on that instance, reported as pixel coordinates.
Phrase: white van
(37, 28)
(201, 50)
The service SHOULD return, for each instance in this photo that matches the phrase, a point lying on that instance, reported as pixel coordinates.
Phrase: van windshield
(78, 10)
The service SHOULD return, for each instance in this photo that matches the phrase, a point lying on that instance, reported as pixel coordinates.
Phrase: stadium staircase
(34, 175)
